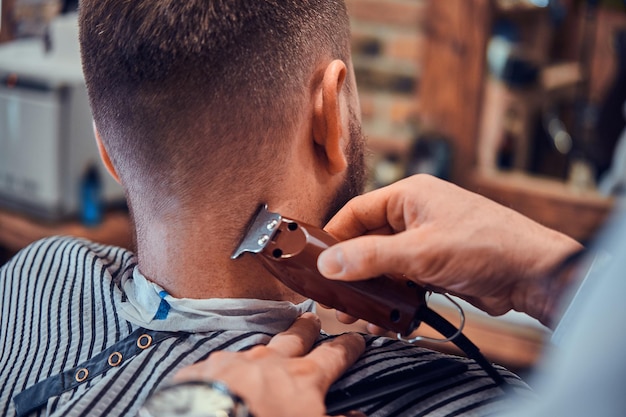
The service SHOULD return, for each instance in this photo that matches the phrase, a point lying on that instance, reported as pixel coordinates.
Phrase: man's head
(199, 101)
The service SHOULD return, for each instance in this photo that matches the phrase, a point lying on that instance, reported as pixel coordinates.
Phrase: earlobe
(327, 121)
(104, 155)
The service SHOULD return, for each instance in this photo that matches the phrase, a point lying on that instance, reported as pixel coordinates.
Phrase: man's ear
(104, 155)
(327, 121)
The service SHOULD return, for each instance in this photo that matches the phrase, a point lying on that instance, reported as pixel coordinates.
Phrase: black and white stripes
(59, 308)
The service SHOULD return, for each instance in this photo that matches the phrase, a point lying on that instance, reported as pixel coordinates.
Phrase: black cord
(447, 329)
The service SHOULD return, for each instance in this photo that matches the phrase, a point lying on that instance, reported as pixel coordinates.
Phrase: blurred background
(520, 100)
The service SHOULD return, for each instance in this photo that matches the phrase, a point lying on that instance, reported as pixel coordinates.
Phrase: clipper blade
(261, 229)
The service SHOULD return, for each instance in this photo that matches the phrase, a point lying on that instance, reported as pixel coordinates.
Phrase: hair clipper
(289, 250)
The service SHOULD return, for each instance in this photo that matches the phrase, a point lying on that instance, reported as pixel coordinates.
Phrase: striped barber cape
(83, 333)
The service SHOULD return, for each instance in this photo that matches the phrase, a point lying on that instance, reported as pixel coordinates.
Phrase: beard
(355, 174)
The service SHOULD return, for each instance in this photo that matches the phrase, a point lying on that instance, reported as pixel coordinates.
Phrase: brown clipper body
(289, 250)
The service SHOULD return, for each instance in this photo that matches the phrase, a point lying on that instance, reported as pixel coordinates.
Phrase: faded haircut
(182, 89)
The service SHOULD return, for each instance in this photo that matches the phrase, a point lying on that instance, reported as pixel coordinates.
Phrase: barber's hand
(451, 240)
(284, 378)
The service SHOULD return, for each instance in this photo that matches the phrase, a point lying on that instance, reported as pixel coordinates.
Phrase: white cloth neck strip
(203, 315)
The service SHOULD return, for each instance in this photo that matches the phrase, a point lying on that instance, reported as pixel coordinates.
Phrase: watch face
(190, 399)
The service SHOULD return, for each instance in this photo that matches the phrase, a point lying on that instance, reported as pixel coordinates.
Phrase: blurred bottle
(509, 101)
(430, 154)
(91, 196)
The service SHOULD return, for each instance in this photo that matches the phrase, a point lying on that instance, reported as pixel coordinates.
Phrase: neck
(191, 259)
(186, 248)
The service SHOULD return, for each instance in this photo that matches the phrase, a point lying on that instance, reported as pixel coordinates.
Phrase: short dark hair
(173, 81)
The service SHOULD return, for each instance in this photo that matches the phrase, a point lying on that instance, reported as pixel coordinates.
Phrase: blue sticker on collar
(164, 307)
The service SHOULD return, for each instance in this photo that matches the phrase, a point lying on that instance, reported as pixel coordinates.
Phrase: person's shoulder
(68, 246)
(58, 252)
(381, 351)
(422, 381)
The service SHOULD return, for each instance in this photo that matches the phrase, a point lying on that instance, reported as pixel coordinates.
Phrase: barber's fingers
(345, 318)
(369, 256)
(371, 328)
(334, 357)
(299, 338)
(361, 215)
(293, 342)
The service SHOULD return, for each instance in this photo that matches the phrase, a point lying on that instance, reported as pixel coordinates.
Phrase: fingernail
(330, 263)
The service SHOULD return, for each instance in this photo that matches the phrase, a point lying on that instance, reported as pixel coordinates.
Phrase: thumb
(365, 257)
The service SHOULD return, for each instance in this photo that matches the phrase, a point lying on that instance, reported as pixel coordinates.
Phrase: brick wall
(387, 45)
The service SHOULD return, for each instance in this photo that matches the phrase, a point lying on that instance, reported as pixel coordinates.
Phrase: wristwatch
(194, 399)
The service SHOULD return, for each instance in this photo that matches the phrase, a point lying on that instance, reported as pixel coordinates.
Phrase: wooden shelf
(509, 7)
(577, 213)
(18, 230)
